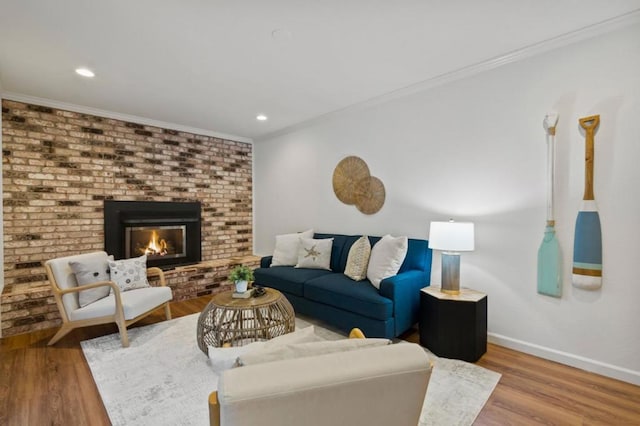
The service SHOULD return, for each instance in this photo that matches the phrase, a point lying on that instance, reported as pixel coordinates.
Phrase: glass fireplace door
(156, 241)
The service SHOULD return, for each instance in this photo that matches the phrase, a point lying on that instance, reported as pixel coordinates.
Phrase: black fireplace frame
(121, 214)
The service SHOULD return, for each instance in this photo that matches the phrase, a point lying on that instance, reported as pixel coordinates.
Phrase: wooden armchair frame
(117, 317)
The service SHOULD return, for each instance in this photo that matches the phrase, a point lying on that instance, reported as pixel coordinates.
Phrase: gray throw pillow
(89, 273)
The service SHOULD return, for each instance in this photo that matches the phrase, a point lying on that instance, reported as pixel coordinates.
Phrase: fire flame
(156, 247)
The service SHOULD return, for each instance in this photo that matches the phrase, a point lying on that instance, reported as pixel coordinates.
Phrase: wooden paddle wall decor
(587, 245)
(549, 264)
(354, 185)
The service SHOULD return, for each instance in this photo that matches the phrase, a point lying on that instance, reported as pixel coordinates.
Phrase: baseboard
(592, 365)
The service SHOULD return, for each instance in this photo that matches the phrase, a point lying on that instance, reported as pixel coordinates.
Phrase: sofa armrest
(404, 291)
(265, 262)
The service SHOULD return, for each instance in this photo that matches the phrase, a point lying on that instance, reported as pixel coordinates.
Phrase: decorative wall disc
(370, 195)
(347, 174)
(354, 185)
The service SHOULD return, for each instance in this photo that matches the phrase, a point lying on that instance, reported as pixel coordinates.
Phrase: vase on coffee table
(241, 286)
(241, 275)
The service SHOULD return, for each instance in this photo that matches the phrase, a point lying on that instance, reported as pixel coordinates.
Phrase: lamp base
(450, 273)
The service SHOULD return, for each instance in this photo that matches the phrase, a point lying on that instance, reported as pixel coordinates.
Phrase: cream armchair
(123, 308)
(382, 385)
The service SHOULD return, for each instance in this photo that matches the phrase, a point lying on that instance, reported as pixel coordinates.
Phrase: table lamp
(451, 238)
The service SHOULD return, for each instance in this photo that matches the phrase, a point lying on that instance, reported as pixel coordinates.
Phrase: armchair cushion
(65, 278)
(91, 271)
(134, 303)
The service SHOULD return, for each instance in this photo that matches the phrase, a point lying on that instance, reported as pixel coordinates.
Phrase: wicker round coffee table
(240, 321)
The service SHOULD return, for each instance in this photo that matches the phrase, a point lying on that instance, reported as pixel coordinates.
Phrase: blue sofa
(336, 299)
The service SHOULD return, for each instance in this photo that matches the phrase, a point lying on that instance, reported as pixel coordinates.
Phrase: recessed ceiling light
(261, 117)
(281, 34)
(85, 72)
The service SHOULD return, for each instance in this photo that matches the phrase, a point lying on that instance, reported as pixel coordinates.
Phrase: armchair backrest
(61, 276)
(382, 385)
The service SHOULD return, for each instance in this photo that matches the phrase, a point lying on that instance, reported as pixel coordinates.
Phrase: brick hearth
(59, 167)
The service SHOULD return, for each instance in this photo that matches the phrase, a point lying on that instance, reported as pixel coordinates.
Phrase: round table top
(227, 300)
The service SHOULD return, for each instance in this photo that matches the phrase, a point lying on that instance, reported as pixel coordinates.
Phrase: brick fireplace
(59, 167)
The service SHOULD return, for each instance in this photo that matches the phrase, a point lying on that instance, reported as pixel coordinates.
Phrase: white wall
(475, 150)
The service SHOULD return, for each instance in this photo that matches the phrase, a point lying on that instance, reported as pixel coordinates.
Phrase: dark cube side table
(454, 326)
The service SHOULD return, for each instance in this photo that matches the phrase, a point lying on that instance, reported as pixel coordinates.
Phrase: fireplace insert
(167, 232)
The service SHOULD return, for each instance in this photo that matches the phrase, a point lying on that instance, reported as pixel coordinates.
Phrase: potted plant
(241, 275)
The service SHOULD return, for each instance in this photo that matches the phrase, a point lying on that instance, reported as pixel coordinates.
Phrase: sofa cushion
(418, 256)
(287, 278)
(342, 292)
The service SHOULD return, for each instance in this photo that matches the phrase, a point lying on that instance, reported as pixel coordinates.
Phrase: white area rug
(162, 378)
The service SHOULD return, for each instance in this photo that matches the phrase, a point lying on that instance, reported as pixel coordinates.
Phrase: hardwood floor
(41, 385)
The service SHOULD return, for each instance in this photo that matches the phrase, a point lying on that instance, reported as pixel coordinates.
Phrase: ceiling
(215, 65)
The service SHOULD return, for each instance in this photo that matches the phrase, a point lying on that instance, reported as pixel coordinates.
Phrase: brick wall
(59, 167)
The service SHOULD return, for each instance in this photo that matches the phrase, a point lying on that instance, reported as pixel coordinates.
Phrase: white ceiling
(214, 64)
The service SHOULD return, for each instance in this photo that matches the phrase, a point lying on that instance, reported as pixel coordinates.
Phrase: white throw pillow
(303, 350)
(386, 258)
(225, 358)
(89, 273)
(315, 254)
(301, 335)
(222, 359)
(358, 259)
(287, 246)
(129, 274)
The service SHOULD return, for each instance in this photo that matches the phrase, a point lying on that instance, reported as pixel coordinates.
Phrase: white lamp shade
(451, 236)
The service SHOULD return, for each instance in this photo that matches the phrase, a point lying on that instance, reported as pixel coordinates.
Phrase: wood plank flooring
(41, 385)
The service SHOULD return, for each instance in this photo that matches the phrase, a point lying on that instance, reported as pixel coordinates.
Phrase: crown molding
(18, 97)
(562, 40)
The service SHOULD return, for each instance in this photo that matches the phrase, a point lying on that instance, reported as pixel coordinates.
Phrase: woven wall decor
(354, 185)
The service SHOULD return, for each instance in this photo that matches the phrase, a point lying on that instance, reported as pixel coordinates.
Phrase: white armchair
(382, 385)
(123, 308)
